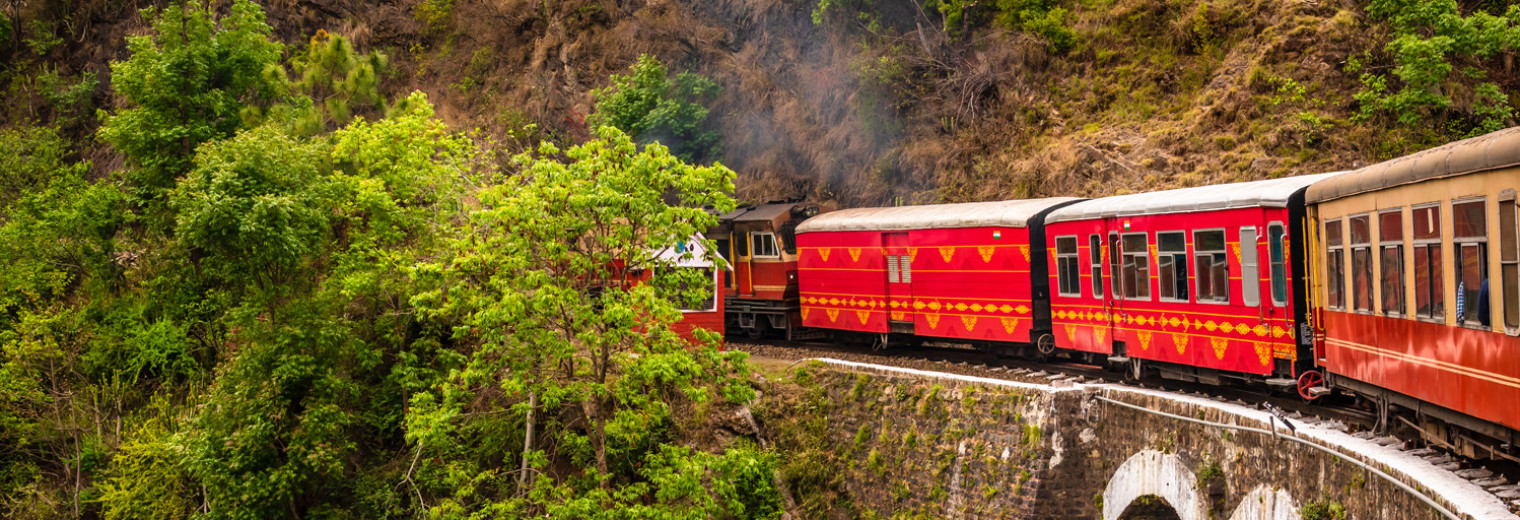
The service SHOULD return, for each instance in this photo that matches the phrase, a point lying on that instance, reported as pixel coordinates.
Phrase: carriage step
(1118, 359)
(1319, 390)
(1282, 381)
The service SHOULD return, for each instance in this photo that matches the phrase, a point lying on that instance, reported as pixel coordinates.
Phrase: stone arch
(1151, 472)
(1264, 503)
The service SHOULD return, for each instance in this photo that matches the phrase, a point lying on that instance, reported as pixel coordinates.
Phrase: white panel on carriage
(1490, 151)
(1006, 213)
(1272, 193)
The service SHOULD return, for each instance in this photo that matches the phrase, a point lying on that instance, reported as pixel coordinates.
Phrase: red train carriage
(758, 242)
(1417, 271)
(1198, 283)
(959, 271)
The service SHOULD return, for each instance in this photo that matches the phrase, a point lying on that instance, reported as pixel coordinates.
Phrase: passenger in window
(1482, 305)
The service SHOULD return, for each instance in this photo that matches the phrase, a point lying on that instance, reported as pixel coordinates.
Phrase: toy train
(1398, 282)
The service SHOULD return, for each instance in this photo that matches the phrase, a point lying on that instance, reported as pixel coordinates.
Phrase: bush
(651, 107)
(30, 157)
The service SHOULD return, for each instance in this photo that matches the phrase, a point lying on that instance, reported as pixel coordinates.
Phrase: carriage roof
(1486, 152)
(1271, 193)
(1006, 213)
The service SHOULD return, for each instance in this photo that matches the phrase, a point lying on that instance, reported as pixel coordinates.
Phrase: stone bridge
(917, 444)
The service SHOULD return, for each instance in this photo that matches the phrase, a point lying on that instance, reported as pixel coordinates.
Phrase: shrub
(651, 107)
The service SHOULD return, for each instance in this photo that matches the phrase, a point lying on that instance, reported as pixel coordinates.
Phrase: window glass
(1391, 261)
(892, 272)
(1172, 266)
(765, 245)
(1212, 268)
(741, 247)
(1429, 288)
(1335, 270)
(1361, 263)
(789, 237)
(1509, 258)
(1469, 234)
(1095, 263)
(1067, 271)
(1278, 258)
(1250, 272)
(1136, 267)
(1427, 223)
(1333, 233)
(1113, 263)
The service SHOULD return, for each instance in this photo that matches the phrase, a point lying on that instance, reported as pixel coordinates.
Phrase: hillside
(875, 102)
(318, 258)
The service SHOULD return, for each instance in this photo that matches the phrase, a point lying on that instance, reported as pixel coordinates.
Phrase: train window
(1391, 242)
(1429, 287)
(1068, 272)
(724, 251)
(1113, 264)
(765, 245)
(1335, 268)
(1509, 261)
(1361, 263)
(709, 300)
(1172, 266)
(1095, 264)
(906, 267)
(789, 237)
(1212, 267)
(1137, 269)
(741, 247)
(1250, 271)
(1277, 252)
(1470, 238)
(892, 276)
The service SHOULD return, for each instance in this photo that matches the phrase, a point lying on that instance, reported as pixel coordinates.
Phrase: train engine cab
(759, 242)
(1196, 284)
(965, 272)
(1417, 291)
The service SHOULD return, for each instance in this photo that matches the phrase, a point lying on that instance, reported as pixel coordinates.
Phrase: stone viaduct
(916, 444)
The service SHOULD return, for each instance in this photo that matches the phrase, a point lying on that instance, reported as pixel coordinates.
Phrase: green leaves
(652, 108)
(185, 85)
(1430, 39)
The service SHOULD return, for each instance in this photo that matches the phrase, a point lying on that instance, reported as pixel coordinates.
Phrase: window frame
(1335, 265)
(1370, 271)
(1457, 245)
(1095, 263)
(1248, 297)
(1229, 297)
(1383, 244)
(755, 252)
(1075, 257)
(1438, 280)
(1186, 267)
(1509, 269)
(1145, 278)
(713, 299)
(1276, 266)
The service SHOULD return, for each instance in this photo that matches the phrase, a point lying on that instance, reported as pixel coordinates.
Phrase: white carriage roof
(1271, 193)
(1490, 151)
(1006, 213)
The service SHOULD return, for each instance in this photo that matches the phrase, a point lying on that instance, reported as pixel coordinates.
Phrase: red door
(899, 277)
(1113, 301)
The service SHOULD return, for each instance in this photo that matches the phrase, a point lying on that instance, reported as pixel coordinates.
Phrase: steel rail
(1273, 432)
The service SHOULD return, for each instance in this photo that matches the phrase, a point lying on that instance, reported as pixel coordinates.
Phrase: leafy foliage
(652, 107)
(335, 83)
(30, 158)
(185, 85)
(1431, 39)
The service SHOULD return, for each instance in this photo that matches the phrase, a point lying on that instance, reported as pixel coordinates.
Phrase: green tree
(30, 158)
(333, 83)
(539, 282)
(185, 84)
(652, 107)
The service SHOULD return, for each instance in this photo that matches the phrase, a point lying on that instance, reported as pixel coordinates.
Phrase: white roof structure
(1007, 213)
(688, 253)
(1271, 193)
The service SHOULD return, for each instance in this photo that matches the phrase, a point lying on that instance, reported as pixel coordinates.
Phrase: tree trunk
(522, 476)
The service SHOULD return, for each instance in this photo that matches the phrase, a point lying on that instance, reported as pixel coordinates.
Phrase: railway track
(1496, 476)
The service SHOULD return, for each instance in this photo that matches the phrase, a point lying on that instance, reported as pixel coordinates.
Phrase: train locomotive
(1396, 283)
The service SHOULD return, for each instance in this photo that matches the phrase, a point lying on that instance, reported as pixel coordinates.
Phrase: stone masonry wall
(873, 444)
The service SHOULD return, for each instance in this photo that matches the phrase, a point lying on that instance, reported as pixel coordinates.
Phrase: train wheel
(1046, 344)
(1307, 381)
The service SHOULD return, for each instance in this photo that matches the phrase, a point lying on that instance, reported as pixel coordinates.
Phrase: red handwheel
(1307, 381)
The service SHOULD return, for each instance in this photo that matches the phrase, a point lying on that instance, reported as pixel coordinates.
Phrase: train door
(744, 276)
(899, 281)
(1113, 298)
